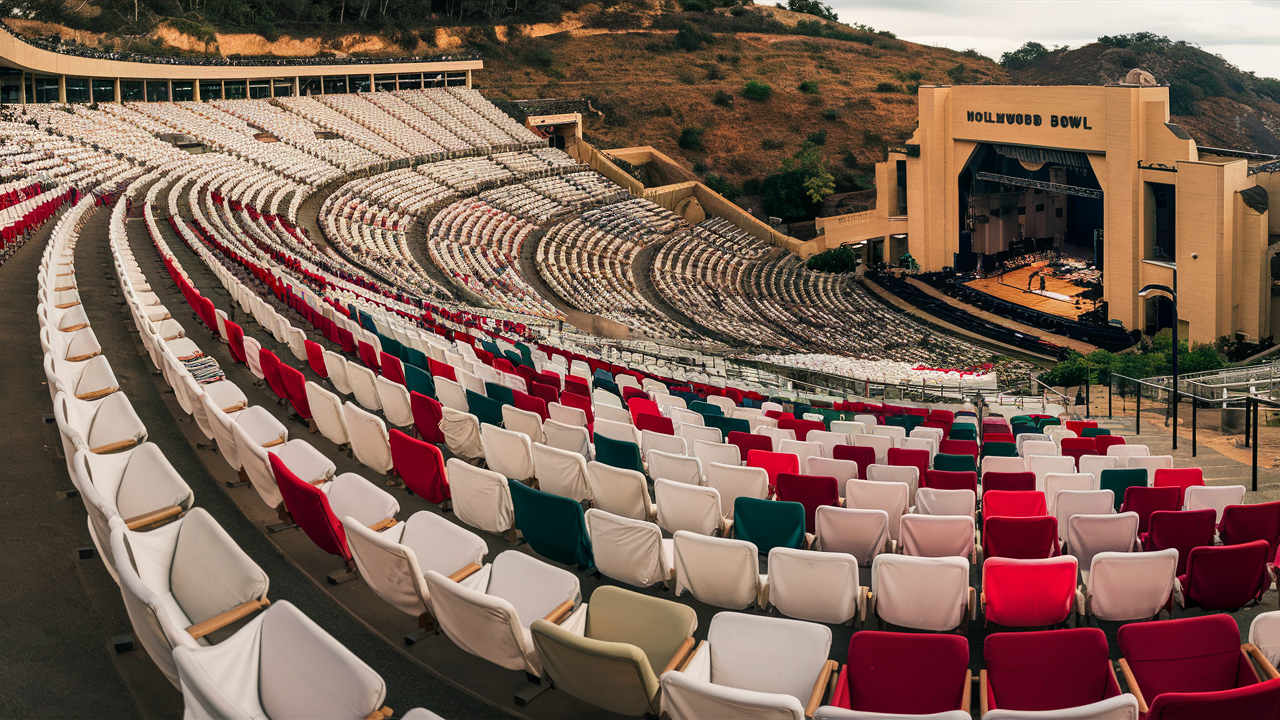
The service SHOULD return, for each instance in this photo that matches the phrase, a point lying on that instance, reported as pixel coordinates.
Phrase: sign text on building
(1058, 121)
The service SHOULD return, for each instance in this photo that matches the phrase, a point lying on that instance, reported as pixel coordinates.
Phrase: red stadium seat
(952, 480)
(1025, 538)
(1182, 530)
(1028, 593)
(1225, 577)
(1010, 481)
(811, 491)
(747, 442)
(1181, 478)
(421, 466)
(904, 674)
(1047, 670)
(774, 463)
(1147, 500)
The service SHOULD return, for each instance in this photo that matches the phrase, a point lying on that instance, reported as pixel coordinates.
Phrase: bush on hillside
(723, 99)
(885, 86)
(772, 144)
(539, 57)
(818, 137)
(722, 186)
(691, 139)
(690, 38)
(1025, 56)
(840, 259)
(756, 90)
(813, 7)
(809, 87)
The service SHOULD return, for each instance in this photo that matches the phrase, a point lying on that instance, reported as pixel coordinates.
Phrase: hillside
(1220, 105)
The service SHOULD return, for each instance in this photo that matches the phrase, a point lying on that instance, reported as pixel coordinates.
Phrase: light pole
(1172, 294)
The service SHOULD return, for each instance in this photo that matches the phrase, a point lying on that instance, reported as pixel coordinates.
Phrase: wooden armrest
(380, 714)
(82, 358)
(97, 394)
(73, 328)
(153, 517)
(236, 408)
(966, 699)
(113, 447)
(682, 657)
(1133, 686)
(561, 612)
(273, 443)
(318, 482)
(684, 664)
(64, 306)
(221, 620)
(467, 571)
(983, 701)
(383, 524)
(1269, 670)
(820, 687)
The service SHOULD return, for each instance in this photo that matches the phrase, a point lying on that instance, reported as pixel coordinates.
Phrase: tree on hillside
(813, 7)
(797, 191)
(1024, 56)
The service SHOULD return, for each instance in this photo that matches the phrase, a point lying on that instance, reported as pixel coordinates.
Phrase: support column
(169, 82)
(62, 88)
(372, 87)
(195, 89)
(297, 86)
(22, 89)
(116, 87)
(468, 80)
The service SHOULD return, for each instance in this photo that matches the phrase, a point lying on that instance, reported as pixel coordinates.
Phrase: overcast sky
(1246, 33)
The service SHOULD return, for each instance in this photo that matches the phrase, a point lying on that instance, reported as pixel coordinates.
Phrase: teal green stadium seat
(705, 408)
(486, 410)
(554, 526)
(1117, 480)
(419, 381)
(727, 424)
(1043, 423)
(415, 357)
(1094, 432)
(618, 453)
(954, 463)
(963, 432)
(768, 523)
(999, 449)
(501, 393)
(391, 346)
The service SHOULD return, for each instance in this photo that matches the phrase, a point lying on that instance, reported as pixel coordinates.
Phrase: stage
(1058, 298)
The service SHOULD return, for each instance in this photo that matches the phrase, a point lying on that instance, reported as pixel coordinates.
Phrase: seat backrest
(1055, 482)
(1215, 497)
(630, 551)
(618, 453)
(561, 472)
(906, 673)
(1190, 654)
(553, 526)
(657, 626)
(891, 497)
(573, 438)
(693, 433)
(1043, 465)
(650, 440)
(815, 586)
(326, 410)
(1090, 534)
(1029, 448)
(937, 535)
(1181, 478)
(906, 474)
(309, 506)
(1264, 633)
(1257, 521)
(811, 491)
(1260, 700)
(862, 533)
(934, 501)
(735, 481)
(619, 490)
(683, 506)
(1146, 500)
(1028, 593)
(1048, 669)
(1129, 585)
(1223, 577)
(773, 463)
(1008, 481)
(525, 422)
(1181, 529)
(421, 466)
(1118, 480)
(769, 523)
(993, 463)
(1013, 503)
(767, 654)
(923, 593)
(674, 467)
(1019, 537)
(1095, 464)
(615, 430)
(709, 452)
(481, 498)
(827, 440)
(717, 571)
(879, 443)
(369, 439)
(507, 452)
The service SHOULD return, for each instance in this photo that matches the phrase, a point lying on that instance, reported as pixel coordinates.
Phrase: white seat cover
(630, 551)
(364, 386)
(717, 452)
(1043, 465)
(1053, 482)
(934, 501)
(683, 506)
(827, 440)
(802, 450)
(995, 463)
(1264, 632)
(1121, 707)
(370, 441)
(857, 532)
(1150, 463)
(717, 571)
(394, 398)
(451, 394)
(326, 410)
(923, 593)
(573, 438)
(481, 498)
(561, 472)
(523, 421)
(621, 492)
(506, 452)
(674, 467)
(1029, 448)
(1068, 503)
(880, 443)
(616, 430)
(1095, 464)
(1131, 585)
(848, 427)
(352, 495)
(817, 586)
(1217, 497)
(461, 432)
(735, 481)
(279, 665)
(1128, 451)
(892, 497)
(1088, 535)
(612, 413)
(764, 654)
(335, 366)
(905, 474)
(567, 415)
(671, 444)
(691, 433)
(842, 470)
(937, 535)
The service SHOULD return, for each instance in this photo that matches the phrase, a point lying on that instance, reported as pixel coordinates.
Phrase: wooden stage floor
(1013, 288)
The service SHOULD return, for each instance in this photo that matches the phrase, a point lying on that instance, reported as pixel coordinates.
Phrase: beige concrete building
(1099, 173)
(33, 74)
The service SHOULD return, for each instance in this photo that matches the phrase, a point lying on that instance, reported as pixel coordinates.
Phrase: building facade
(1097, 172)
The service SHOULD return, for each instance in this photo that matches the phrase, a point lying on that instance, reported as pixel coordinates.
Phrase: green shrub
(539, 57)
(1024, 56)
(840, 259)
(723, 99)
(772, 144)
(885, 86)
(722, 186)
(817, 138)
(813, 7)
(831, 115)
(809, 87)
(689, 38)
(694, 6)
(691, 139)
(756, 90)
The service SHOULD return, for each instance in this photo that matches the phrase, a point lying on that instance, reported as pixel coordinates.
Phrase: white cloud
(1242, 32)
